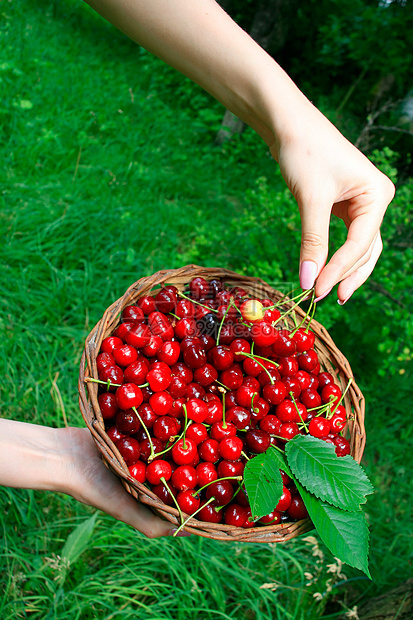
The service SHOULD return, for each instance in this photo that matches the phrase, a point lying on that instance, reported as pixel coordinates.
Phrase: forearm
(200, 40)
(32, 456)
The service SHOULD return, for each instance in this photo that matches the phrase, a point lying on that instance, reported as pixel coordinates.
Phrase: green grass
(110, 173)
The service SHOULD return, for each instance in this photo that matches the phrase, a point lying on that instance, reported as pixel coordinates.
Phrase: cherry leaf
(345, 533)
(340, 481)
(263, 484)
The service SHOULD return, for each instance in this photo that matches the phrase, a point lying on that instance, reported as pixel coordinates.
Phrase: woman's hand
(67, 460)
(92, 483)
(326, 175)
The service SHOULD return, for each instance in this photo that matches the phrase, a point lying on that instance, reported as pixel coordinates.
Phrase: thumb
(314, 242)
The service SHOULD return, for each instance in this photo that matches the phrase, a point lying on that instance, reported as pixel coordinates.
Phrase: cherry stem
(108, 383)
(194, 301)
(350, 381)
(218, 480)
(150, 458)
(298, 411)
(174, 500)
(231, 303)
(282, 301)
(245, 456)
(192, 516)
(224, 424)
(290, 310)
(168, 448)
(254, 357)
(311, 310)
(185, 426)
(223, 384)
(232, 498)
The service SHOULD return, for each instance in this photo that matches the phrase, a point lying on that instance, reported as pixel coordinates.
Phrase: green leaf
(78, 540)
(340, 481)
(279, 457)
(263, 484)
(344, 533)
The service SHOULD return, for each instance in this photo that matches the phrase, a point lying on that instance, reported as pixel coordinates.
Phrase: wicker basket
(330, 357)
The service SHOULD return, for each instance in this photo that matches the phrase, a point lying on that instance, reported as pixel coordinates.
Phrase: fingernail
(308, 274)
(180, 533)
(342, 302)
(322, 296)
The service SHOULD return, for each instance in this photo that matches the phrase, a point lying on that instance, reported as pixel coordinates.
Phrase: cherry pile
(193, 385)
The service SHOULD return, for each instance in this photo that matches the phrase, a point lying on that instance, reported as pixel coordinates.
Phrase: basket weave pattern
(331, 360)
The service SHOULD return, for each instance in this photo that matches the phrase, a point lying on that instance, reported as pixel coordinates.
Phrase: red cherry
(105, 360)
(165, 427)
(156, 470)
(136, 372)
(263, 334)
(160, 326)
(303, 339)
(325, 378)
(194, 390)
(308, 361)
(239, 417)
(222, 357)
(342, 446)
(169, 353)
(206, 473)
(184, 478)
(159, 379)
(128, 422)
(177, 388)
(252, 367)
(185, 308)
(215, 412)
(108, 405)
(184, 453)
(153, 347)
(199, 287)
(113, 375)
(285, 500)
(285, 346)
(146, 304)
(331, 393)
(182, 371)
(288, 366)
(138, 336)
(197, 432)
(114, 434)
(161, 403)
(274, 394)
(304, 379)
(257, 441)
(205, 375)
(260, 409)
(272, 518)
(310, 398)
(240, 345)
(162, 492)
(194, 356)
(249, 522)
(147, 415)
(235, 515)
(222, 490)
(230, 468)
(129, 395)
(209, 450)
(319, 427)
(166, 300)
(232, 377)
(138, 471)
(297, 509)
(219, 431)
(338, 422)
(109, 343)
(209, 513)
(145, 447)
(271, 424)
(133, 314)
(129, 449)
(187, 502)
(230, 448)
(292, 385)
(197, 409)
(288, 430)
(122, 329)
(271, 372)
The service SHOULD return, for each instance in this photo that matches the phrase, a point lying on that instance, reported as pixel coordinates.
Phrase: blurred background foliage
(112, 170)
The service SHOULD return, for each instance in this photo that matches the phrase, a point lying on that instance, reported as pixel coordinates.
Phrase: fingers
(356, 251)
(314, 242)
(360, 275)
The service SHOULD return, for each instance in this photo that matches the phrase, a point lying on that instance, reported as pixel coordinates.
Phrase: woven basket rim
(324, 345)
